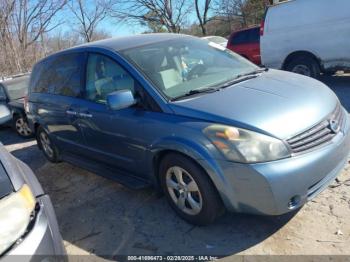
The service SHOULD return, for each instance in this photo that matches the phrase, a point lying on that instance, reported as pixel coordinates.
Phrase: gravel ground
(100, 217)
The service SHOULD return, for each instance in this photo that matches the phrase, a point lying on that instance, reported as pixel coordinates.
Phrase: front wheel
(20, 124)
(189, 191)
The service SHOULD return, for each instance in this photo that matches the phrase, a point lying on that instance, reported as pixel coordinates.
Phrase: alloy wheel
(22, 127)
(46, 144)
(184, 190)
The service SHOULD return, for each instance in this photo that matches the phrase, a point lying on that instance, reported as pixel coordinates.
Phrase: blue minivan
(211, 130)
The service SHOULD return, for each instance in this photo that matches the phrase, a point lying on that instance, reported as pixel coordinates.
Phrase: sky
(121, 29)
(110, 25)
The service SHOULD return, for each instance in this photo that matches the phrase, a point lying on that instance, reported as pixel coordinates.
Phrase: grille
(318, 134)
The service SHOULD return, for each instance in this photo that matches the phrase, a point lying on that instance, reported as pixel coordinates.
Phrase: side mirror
(120, 99)
(5, 114)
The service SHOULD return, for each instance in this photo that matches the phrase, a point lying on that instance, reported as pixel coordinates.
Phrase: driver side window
(104, 76)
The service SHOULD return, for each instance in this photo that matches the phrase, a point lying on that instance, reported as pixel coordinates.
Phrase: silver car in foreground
(28, 223)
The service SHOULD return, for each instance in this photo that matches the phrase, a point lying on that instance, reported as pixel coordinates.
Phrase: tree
(153, 24)
(168, 14)
(247, 12)
(88, 15)
(23, 23)
(203, 15)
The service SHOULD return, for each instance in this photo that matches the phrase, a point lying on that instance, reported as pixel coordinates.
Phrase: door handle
(71, 112)
(86, 115)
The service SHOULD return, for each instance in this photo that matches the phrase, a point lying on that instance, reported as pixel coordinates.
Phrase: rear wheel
(304, 65)
(20, 124)
(189, 191)
(47, 146)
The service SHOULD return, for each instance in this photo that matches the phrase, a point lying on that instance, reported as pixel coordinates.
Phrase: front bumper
(268, 188)
(43, 239)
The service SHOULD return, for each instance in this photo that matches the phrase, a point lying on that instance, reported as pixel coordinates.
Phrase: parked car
(28, 221)
(246, 42)
(224, 134)
(307, 37)
(5, 114)
(12, 93)
(217, 40)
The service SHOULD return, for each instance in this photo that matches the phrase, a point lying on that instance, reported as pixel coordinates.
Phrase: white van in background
(307, 36)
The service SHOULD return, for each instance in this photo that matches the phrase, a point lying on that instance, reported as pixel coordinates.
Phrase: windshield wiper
(241, 77)
(255, 72)
(195, 92)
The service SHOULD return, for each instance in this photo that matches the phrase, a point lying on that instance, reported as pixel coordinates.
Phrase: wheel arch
(36, 126)
(16, 112)
(197, 154)
(301, 53)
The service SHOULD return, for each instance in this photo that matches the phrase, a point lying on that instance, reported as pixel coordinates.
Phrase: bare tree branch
(170, 14)
(88, 19)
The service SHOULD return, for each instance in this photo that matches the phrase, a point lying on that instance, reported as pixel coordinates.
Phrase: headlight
(15, 212)
(245, 146)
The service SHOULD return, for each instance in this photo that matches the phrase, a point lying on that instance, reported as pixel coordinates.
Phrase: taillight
(262, 27)
(26, 104)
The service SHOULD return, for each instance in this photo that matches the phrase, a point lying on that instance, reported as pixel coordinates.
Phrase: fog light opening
(294, 202)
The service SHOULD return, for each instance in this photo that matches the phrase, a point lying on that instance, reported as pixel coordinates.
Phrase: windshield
(177, 67)
(17, 88)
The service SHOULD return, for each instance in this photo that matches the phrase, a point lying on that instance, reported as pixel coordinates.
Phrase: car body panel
(5, 114)
(321, 29)
(250, 49)
(275, 183)
(43, 237)
(274, 103)
(5, 183)
(275, 95)
(14, 106)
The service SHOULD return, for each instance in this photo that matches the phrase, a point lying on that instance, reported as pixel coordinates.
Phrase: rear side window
(246, 37)
(254, 35)
(240, 38)
(60, 75)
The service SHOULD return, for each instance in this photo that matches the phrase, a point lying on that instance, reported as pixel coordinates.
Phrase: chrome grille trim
(317, 135)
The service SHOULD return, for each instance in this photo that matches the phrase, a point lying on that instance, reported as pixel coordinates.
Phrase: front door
(112, 137)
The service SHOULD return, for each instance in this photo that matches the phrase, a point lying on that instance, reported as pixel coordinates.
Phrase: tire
(304, 65)
(47, 146)
(20, 125)
(200, 203)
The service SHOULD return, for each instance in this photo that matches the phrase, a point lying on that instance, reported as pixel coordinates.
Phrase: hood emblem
(334, 125)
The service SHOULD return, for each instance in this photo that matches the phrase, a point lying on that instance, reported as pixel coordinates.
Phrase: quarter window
(247, 36)
(240, 38)
(254, 35)
(104, 76)
(61, 76)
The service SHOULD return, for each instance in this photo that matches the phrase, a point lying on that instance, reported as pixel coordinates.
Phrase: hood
(14, 173)
(277, 103)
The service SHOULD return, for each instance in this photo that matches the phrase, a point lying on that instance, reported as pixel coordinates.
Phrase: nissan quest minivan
(190, 117)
